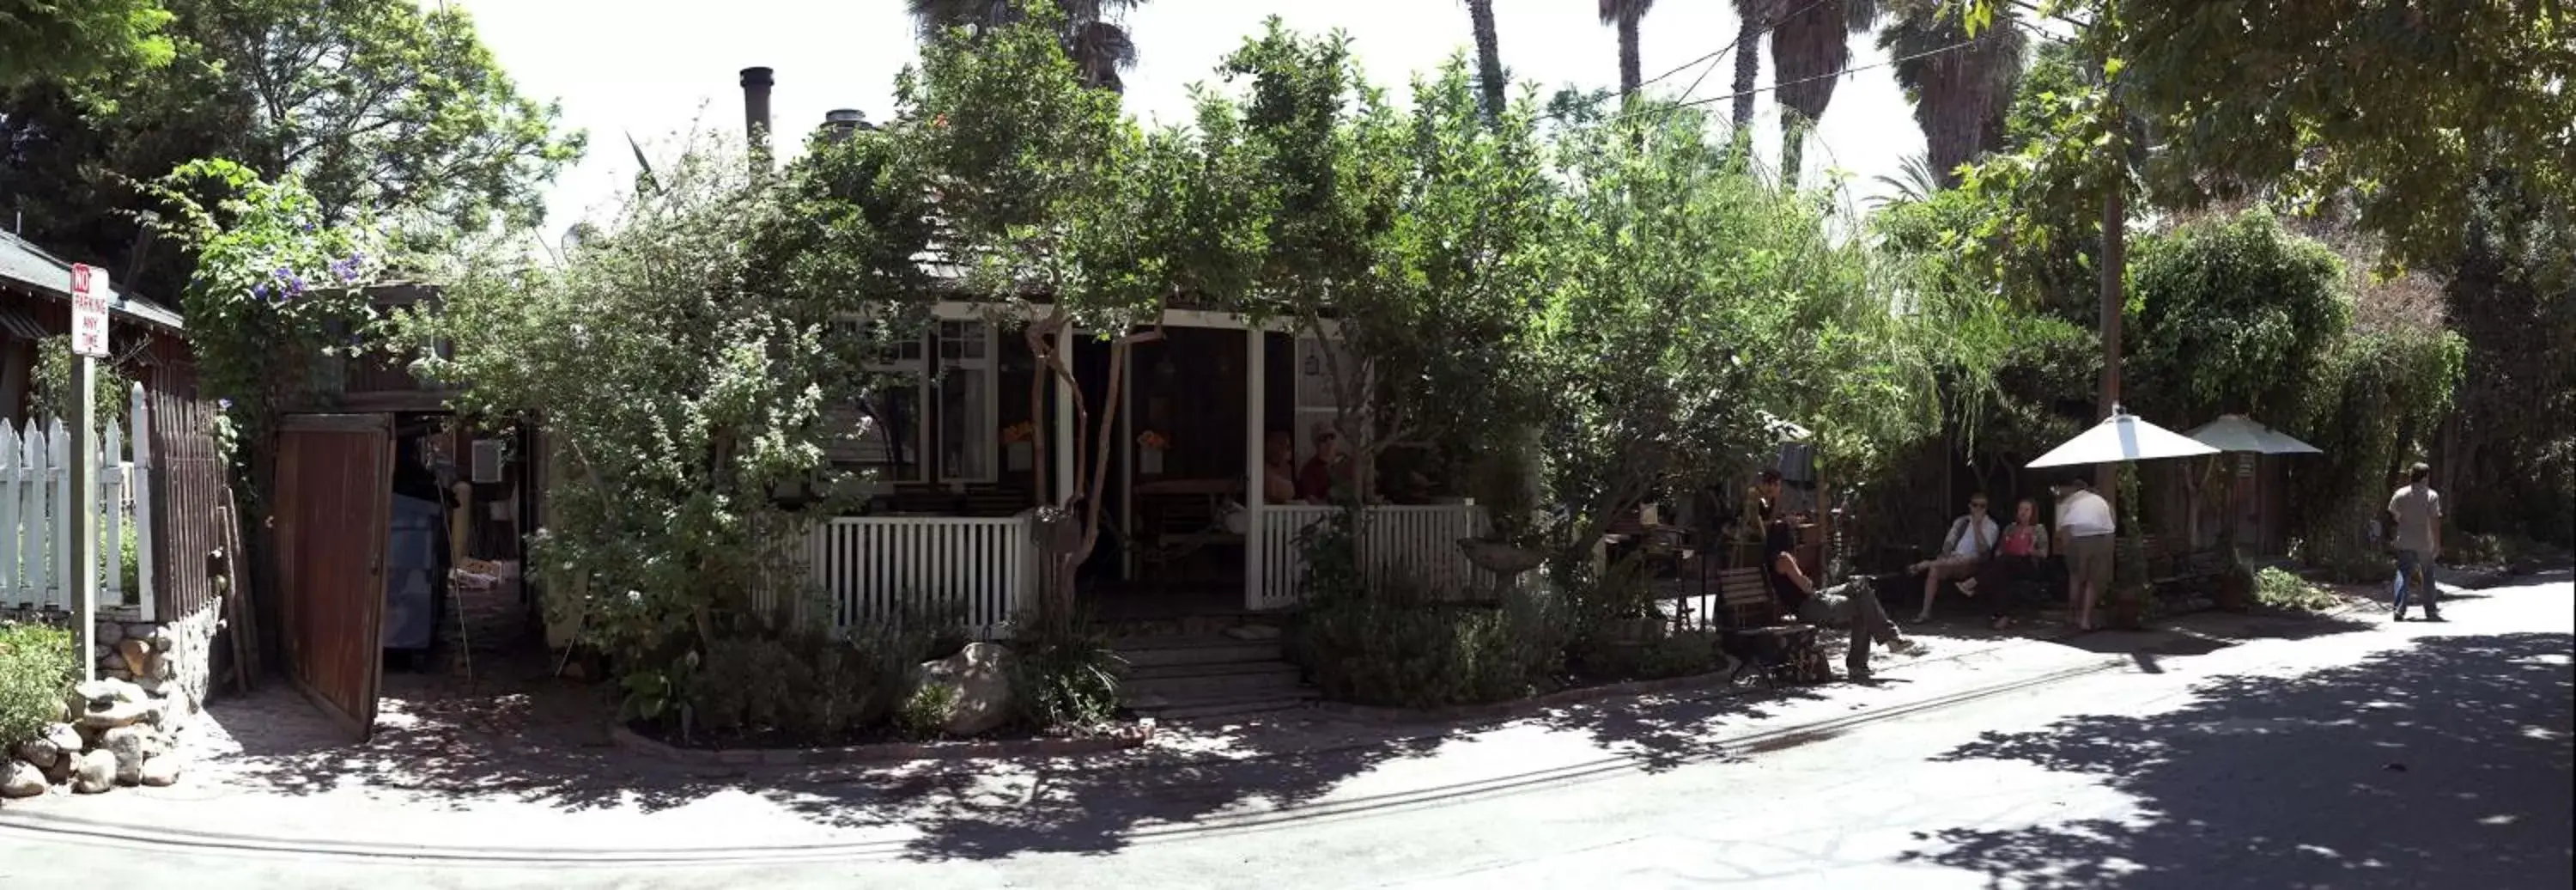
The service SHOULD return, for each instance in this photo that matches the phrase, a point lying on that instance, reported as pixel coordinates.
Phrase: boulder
(137, 654)
(156, 667)
(98, 692)
(93, 772)
(38, 752)
(124, 713)
(18, 779)
(162, 639)
(131, 745)
(161, 771)
(979, 678)
(65, 738)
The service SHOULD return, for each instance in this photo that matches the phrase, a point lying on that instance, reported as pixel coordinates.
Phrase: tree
(680, 361)
(381, 108)
(1624, 15)
(1809, 48)
(1099, 46)
(1491, 85)
(1688, 298)
(81, 39)
(1752, 20)
(1961, 96)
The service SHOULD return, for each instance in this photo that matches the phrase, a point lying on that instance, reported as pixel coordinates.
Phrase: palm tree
(1961, 97)
(1809, 48)
(1489, 59)
(1626, 14)
(1915, 180)
(1099, 47)
(1752, 17)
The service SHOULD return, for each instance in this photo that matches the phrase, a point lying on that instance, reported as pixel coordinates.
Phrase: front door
(334, 497)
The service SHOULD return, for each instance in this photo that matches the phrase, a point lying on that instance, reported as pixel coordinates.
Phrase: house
(174, 477)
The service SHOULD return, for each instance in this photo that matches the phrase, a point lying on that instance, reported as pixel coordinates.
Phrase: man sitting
(1971, 539)
(1852, 605)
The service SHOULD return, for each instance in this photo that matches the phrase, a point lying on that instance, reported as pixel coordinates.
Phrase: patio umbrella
(2120, 438)
(2236, 432)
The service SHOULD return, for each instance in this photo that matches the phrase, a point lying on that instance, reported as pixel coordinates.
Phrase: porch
(950, 527)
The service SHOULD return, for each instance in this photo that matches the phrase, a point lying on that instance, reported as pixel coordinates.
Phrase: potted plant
(1018, 447)
(1150, 446)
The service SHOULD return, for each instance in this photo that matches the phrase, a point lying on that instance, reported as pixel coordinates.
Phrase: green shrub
(1684, 654)
(926, 710)
(37, 669)
(1065, 677)
(2282, 590)
(1399, 648)
(809, 686)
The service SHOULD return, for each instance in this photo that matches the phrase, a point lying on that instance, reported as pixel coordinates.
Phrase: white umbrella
(2236, 432)
(2120, 438)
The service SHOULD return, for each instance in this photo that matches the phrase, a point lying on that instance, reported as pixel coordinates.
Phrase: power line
(1729, 47)
(1692, 103)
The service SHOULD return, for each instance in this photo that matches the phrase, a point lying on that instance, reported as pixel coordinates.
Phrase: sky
(655, 68)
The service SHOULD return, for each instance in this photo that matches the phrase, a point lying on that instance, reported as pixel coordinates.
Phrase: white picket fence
(982, 572)
(1413, 543)
(35, 519)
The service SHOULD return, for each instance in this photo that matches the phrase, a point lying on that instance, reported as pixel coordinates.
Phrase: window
(883, 426)
(969, 426)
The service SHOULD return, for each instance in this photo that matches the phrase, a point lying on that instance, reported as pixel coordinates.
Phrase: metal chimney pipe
(755, 113)
(841, 122)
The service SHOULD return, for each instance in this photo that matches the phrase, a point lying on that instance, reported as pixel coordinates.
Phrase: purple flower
(346, 270)
(223, 404)
(259, 291)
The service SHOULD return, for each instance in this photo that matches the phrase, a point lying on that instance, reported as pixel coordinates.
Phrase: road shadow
(2445, 764)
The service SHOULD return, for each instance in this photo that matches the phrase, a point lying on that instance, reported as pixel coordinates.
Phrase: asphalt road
(2359, 755)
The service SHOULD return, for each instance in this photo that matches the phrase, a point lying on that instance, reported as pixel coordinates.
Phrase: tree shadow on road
(2445, 764)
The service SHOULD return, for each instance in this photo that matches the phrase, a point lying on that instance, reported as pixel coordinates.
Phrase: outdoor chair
(1776, 645)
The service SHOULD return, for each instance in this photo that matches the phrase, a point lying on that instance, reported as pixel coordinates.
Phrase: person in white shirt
(2084, 528)
(1971, 539)
(2418, 537)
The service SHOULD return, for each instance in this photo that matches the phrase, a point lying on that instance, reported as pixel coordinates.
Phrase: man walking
(2084, 530)
(2418, 509)
(1853, 604)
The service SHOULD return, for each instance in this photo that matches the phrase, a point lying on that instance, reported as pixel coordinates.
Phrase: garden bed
(885, 744)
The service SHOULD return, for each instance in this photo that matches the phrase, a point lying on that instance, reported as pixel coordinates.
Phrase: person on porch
(1278, 468)
(2018, 558)
(1326, 470)
(1852, 604)
(1971, 539)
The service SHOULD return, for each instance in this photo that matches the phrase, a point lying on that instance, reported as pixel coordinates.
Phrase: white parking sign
(89, 311)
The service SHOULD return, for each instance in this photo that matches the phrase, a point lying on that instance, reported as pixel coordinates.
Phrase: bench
(2176, 566)
(1779, 646)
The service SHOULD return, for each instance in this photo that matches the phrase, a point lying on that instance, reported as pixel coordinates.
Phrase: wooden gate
(334, 496)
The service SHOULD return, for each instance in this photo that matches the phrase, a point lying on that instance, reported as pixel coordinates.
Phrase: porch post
(1255, 367)
(1065, 432)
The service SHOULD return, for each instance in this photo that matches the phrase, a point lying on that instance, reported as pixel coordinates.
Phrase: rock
(98, 691)
(980, 678)
(156, 667)
(61, 772)
(131, 745)
(141, 630)
(154, 686)
(124, 713)
(161, 771)
(109, 633)
(21, 779)
(39, 752)
(64, 737)
(136, 652)
(163, 640)
(93, 772)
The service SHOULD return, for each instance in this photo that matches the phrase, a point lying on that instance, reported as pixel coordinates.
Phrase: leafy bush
(926, 710)
(807, 686)
(1066, 677)
(37, 667)
(1398, 648)
(2282, 590)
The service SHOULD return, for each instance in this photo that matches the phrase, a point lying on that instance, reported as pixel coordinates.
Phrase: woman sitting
(2018, 557)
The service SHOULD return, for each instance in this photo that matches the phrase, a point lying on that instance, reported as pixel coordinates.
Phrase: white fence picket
(35, 500)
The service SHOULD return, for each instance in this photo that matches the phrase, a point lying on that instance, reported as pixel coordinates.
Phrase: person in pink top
(2019, 556)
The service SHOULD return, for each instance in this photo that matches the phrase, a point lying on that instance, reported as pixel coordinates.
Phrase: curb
(1123, 739)
(1522, 707)
(164, 839)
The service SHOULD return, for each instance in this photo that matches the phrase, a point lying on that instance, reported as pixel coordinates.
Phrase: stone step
(1208, 707)
(1192, 680)
(1168, 651)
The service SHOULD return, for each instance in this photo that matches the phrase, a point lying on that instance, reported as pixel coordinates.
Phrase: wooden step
(1209, 707)
(1190, 680)
(1165, 651)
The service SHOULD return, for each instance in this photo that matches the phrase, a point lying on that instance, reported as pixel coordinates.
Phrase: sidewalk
(528, 776)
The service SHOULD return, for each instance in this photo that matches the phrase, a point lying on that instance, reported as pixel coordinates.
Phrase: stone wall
(169, 660)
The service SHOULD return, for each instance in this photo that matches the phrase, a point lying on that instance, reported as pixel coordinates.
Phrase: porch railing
(1412, 542)
(981, 572)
